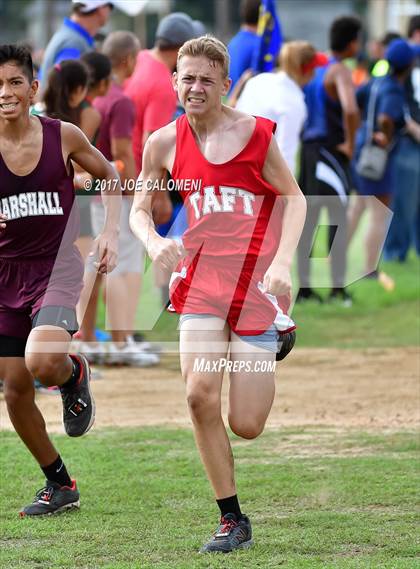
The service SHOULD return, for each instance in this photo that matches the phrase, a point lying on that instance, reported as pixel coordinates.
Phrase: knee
(45, 367)
(203, 404)
(14, 396)
(246, 428)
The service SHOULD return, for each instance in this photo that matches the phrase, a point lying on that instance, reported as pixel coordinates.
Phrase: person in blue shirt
(242, 46)
(389, 123)
(76, 35)
(404, 230)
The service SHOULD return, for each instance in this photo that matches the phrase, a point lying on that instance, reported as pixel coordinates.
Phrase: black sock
(57, 472)
(75, 374)
(230, 506)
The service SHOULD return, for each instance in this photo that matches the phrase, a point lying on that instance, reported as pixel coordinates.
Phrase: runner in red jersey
(245, 215)
(41, 271)
(234, 218)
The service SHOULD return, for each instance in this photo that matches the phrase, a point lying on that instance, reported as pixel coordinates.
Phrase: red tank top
(39, 206)
(233, 213)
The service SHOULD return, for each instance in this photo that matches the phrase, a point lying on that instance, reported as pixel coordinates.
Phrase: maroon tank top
(39, 206)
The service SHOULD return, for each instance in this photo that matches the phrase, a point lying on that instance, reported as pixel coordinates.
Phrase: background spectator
(279, 97)
(328, 141)
(90, 120)
(380, 67)
(66, 88)
(76, 36)
(243, 45)
(150, 87)
(405, 204)
(115, 142)
(151, 90)
(388, 123)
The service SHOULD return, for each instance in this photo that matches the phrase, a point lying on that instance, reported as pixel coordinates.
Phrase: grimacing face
(16, 92)
(200, 84)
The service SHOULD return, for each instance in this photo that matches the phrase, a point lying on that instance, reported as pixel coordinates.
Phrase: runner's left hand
(277, 280)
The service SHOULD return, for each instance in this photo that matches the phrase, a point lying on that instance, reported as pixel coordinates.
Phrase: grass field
(319, 499)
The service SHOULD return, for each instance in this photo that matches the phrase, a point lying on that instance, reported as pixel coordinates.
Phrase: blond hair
(295, 54)
(207, 46)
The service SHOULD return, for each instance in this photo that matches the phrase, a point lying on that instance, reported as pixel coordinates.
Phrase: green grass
(377, 318)
(317, 499)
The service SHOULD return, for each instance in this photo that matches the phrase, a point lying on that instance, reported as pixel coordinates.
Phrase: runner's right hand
(166, 253)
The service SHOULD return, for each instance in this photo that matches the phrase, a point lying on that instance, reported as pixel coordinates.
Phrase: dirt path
(375, 388)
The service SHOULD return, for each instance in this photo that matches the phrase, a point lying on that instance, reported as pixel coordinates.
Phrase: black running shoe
(341, 296)
(231, 534)
(305, 294)
(78, 402)
(53, 499)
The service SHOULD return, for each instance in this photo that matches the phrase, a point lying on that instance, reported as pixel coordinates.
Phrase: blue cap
(400, 54)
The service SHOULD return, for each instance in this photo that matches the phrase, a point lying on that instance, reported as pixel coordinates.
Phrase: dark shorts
(37, 292)
(324, 171)
(60, 316)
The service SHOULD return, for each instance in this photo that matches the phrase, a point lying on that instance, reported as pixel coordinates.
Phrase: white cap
(89, 5)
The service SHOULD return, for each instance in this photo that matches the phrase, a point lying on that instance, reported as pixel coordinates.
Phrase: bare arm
(386, 130)
(165, 251)
(161, 203)
(351, 117)
(146, 136)
(276, 172)
(90, 120)
(77, 148)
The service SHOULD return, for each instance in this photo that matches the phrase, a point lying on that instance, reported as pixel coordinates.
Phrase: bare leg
(307, 241)
(116, 306)
(52, 367)
(27, 420)
(378, 227)
(133, 286)
(251, 394)
(355, 211)
(88, 305)
(84, 244)
(204, 399)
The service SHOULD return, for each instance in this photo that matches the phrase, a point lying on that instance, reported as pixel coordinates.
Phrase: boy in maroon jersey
(41, 271)
(234, 262)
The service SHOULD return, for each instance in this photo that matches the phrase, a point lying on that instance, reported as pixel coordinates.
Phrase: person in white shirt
(278, 96)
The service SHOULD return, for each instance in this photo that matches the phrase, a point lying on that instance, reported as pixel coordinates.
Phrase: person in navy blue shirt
(76, 35)
(389, 123)
(404, 230)
(242, 46)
